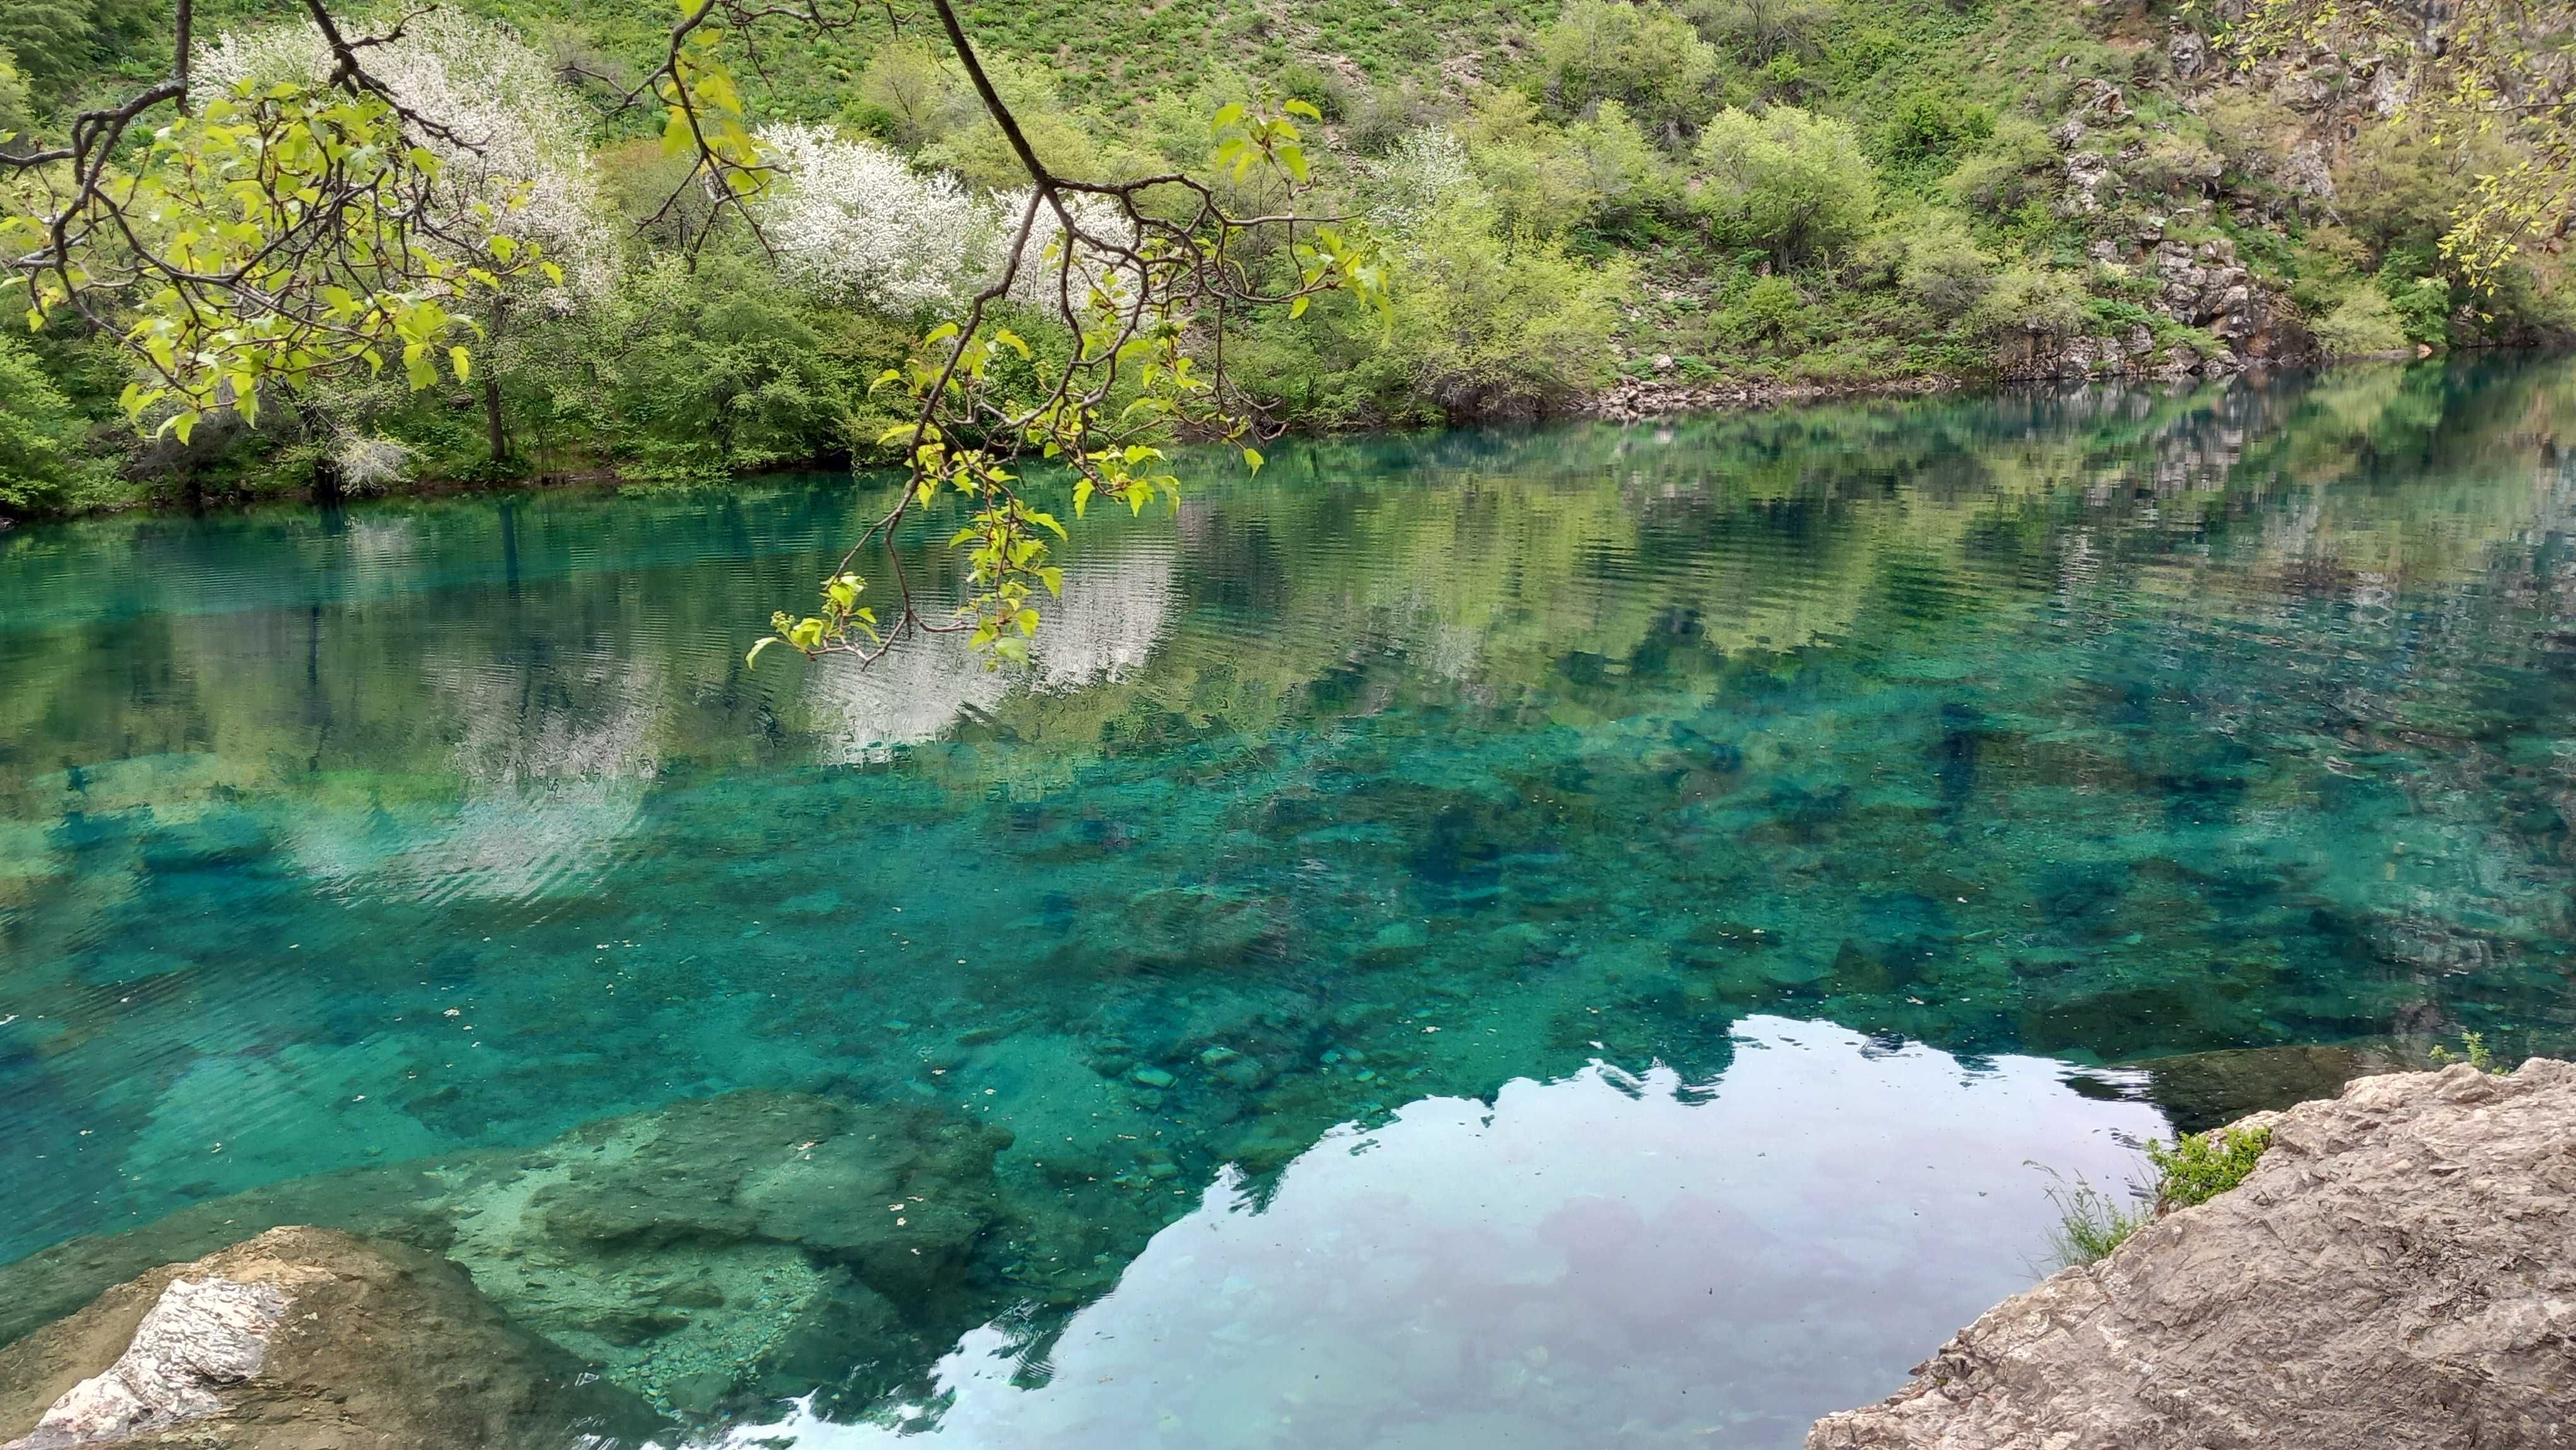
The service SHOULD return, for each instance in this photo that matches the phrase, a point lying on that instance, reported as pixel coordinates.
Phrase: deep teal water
(1559, 937)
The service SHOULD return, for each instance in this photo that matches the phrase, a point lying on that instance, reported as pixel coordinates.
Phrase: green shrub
(2091, 1223)
(42, 464)
(1928, 128)
(1943, 268)
(1492, 321)
(1770, 310)
(1757, 32)
(15, 107)
(1642, 56)
(2422, 306)
(713, 369)
(2016, 165)
(1316, 86)
(2478, 1054)
(2029, 298)
(2363, 322)
(1788, 182)
(2198, 1167)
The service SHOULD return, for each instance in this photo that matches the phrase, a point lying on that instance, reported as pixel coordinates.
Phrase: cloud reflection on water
(1598, 1261)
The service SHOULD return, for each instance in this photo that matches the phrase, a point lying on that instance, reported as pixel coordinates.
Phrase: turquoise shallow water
(1545, 938)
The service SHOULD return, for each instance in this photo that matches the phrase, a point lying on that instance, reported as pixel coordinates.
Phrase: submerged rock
(702, 1246)
(2204, 1090)
(755, 1240)
(301, 1339)
(2399, 1271)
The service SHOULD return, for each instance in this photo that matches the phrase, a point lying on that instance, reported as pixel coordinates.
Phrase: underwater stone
(668, 1244)
(1194, 926)
(1152, 1077)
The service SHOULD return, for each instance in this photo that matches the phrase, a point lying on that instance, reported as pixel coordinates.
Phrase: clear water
(1548, 938)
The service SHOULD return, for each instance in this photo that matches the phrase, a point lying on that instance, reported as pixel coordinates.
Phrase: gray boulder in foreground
(302, 1339)
(2399, 1271)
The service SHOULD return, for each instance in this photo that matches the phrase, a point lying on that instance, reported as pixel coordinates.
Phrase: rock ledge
(2398, 1272)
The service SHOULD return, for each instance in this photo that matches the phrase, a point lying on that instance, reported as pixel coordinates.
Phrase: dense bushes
(1497, 320)
(1786, 182)
(43, 465)
(1643, 56)
(1812, 189)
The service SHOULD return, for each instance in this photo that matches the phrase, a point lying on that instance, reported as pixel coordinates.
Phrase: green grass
(2191, 1170)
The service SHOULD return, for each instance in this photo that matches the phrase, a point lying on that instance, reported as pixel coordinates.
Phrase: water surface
(1379, 917)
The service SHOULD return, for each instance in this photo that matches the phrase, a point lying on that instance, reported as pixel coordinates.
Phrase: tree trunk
(495, 431)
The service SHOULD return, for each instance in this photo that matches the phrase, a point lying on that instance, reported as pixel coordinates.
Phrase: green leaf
(753, 658)
(461, 362)
(1252, 456)
(1302, 108)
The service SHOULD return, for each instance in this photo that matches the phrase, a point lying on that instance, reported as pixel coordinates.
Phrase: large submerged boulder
(721, 1241)
(302, 1339)
(2399, 1271)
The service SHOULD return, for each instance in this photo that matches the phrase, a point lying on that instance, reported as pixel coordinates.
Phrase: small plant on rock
(2198, 1167)
(2475, 1053)
(2090, 1222)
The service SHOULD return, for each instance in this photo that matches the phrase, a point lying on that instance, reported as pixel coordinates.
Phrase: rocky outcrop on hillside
(302, 1339)
(2399, 1271)
(1636, 400)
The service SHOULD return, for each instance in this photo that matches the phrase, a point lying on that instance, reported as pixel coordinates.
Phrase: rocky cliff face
(2399, 1271)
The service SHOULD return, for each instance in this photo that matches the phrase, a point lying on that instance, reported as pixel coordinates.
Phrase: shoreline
(1626, 401)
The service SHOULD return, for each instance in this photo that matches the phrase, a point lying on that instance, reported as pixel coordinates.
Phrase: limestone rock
(202, 1335)
(2189, 53)
(2399, 1272)
(301, 1339)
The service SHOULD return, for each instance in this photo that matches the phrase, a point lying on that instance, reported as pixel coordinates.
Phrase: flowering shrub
(516, 159)
(852, 220)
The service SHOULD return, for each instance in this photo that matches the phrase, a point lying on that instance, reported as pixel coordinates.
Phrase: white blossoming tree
(384, 199)
(851, 219)
(512, 157)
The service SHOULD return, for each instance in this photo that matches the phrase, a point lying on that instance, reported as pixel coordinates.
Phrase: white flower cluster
(852, 219)
(522, 142)
(1042, 282)
(368, 460)
(1416, 174)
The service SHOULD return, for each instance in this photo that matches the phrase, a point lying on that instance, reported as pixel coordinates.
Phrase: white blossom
(521, 141)
(1414, 177)
(851, 219)
(1042, 281)
(369, 460)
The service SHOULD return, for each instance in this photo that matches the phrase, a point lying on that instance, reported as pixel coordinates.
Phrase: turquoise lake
(1575, 937)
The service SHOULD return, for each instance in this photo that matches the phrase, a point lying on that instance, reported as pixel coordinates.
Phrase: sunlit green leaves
(1137, 299)
(277, 236)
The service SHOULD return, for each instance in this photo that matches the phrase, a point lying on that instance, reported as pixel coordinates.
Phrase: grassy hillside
(1644, 204)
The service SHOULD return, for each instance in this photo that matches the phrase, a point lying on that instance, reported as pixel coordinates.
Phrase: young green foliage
(2198, 1167)
(1137, 274)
